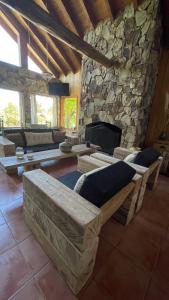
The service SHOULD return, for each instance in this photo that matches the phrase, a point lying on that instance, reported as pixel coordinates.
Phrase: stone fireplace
(122, 95)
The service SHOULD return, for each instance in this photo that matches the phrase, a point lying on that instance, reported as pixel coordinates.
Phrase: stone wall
(122, 96)
(24, 81)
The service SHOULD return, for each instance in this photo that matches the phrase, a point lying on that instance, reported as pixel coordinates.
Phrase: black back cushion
(100, 186)
(146, 157)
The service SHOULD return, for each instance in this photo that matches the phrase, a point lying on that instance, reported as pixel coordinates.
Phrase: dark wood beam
(20, 29)
(51, 8)
(32, 54)
(42, 19)
(50, 50)
(73, 18)
(87, 6)
(165, 22)
(7, 28)
(23, 50)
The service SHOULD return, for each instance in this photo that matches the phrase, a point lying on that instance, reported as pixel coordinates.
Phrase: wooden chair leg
(152, 181)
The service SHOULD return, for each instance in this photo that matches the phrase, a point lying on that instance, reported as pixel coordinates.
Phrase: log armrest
(7, 148)
(67, 225)
(78, 219)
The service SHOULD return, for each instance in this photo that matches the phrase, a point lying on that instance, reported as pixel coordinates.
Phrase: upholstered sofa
(49, 139)
(66, 224)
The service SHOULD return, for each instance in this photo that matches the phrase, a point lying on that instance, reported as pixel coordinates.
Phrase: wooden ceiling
(78, 16)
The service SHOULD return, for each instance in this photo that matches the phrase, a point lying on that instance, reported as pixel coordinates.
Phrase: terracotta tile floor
(132, 262)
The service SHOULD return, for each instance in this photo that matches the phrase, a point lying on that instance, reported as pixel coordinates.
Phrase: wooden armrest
(77, 218)
(7, 148)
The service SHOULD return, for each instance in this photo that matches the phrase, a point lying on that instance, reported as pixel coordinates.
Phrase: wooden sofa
(149, 175)
(67, 225)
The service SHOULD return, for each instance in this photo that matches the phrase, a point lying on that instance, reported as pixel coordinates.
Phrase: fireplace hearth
(105, 135)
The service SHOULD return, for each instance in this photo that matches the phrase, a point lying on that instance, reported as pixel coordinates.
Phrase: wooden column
(23, 50)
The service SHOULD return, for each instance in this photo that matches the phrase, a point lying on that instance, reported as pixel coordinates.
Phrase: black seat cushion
(70, 179)
(146, 157)
(100, 186)
(38, 148)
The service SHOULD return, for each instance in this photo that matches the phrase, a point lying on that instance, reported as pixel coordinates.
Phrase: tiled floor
(132, 262)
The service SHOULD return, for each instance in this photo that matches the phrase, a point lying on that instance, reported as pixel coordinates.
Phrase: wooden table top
(38, 157)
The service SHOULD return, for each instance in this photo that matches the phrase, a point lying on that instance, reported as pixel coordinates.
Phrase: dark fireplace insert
(106, 135)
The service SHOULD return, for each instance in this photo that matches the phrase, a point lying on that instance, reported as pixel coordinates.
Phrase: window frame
(62, 123)
(56, 108)
(20, 109)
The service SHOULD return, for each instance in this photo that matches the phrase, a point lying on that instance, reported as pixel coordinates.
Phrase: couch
(17, 136)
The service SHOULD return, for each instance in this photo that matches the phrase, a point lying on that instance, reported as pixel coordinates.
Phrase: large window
(9, 48)
(69, 112)
(44, 110)
(10, 108)
(32, 66)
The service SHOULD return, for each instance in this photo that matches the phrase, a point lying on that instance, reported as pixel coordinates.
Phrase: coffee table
(11, 163)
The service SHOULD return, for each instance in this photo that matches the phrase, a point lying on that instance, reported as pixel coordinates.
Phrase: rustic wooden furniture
(67, 225)
(126, 212)
(10, 164)
(163, 148)
(154, 169)
(7, 148)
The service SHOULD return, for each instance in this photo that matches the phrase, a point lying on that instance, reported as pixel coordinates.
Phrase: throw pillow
(16, 138)
(147, 157)
(82, 179)
(36, 138)
(131, 157)
(103, 184)
(58, 136)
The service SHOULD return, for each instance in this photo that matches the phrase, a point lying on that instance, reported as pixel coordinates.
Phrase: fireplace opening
(105, 135)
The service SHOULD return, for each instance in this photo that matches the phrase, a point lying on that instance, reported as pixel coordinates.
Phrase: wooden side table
(163, 148)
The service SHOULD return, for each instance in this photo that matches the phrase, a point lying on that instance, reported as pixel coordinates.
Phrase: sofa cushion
(16, 138)
(36, 138)
(58, 136)
(102, 185)
(147, 157)
(38, 148)
(70, 179)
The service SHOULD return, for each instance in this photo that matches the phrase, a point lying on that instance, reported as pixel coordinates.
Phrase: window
(6, 55)
(32, 66)
(44, 110)
(10, 108)
(69, 112)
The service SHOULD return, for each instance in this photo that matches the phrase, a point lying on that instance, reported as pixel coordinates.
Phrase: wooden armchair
(67, 225)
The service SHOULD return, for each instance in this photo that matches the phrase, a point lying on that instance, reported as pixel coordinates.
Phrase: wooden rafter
(87, 8)
(76, 25)
(47, 57)
(51, 8)
(42, 19)
(12, 32)
(34, 46)
(44, 41)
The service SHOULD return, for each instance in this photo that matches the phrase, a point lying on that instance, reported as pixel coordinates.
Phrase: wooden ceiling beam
(8, 29)
(66, 7)
(87, 8)
(36, 49)
(42, 19)
(14, 36)
(49, 49)
(51, 8)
